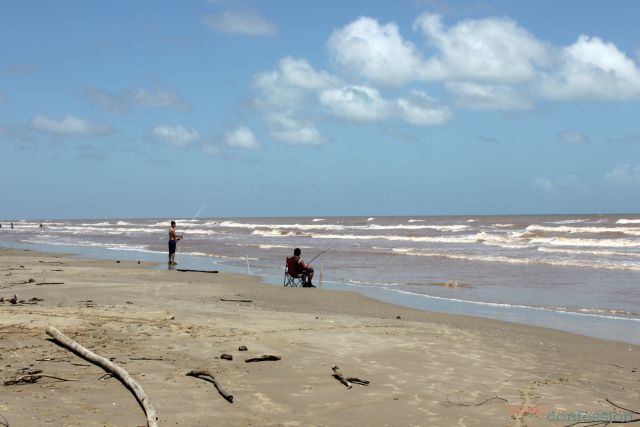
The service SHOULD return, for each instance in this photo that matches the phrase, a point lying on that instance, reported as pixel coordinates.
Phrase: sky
(126, 109)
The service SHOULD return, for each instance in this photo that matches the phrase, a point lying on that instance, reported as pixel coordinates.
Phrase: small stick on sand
(110, 367)
(236, 300)
(347, 381)
(263, 358)
(49, 283)
(202, 374)
(32, 379)
(338, 375)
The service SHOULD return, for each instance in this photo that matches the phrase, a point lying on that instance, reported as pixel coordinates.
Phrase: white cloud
(488, 97)
(624, 176)
(160, 97)
(491, 50)
(175, 134)
(591, 69)
(546, 185)
(419, 109)
(68, 126)
(106, 100)
(356, 103)
(286, 128)
(571, 136)
(286, 86)
(240, 23)
(376, 52)
(563, 186)
(241, 138)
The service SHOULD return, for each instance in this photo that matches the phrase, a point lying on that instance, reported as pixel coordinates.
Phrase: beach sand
(425, 369)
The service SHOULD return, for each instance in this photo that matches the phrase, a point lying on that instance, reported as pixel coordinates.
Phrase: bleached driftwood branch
(110, 367)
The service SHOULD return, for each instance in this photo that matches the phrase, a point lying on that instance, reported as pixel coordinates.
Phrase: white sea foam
(632, 231)
(605, 243)
(502, 240)
(442, 239)
(318, 219)
(416, 220)
(603, 264)
(338, 227)
(628, 221)
(567, 221)
(589, 252)
(370, 218)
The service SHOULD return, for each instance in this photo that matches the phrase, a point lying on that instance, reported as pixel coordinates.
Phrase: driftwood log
(110, 367)
(208, 376)
(263, 358)
(185, 270)
(347, 381)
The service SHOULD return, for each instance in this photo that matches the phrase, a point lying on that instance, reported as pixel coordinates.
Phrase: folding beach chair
(292, 275)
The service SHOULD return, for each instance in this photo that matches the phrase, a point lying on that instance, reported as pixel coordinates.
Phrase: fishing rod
(192, 219)
(309, 262)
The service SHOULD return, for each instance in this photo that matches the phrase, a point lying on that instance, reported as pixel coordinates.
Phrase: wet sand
(425, 369)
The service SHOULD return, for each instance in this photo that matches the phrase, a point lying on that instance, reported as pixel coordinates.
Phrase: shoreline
(416, 361)
(610, 328)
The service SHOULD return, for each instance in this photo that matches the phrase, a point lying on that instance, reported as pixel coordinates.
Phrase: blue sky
(286, 108)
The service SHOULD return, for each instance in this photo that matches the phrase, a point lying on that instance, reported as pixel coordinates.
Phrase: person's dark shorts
(172, 246)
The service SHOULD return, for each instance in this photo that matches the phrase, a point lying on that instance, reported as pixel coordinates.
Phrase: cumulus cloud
(22, 69)
(591, 69)
(419, 109)
(562, 186)
(355, 103)
(159, 97)
(68, 126)
(378, 53)
(546, 185)
(624, 176)
(478, 96)
(572, 136)
(287, 85)
(240, 23)
(491, 50)
(241, 137)
(175, 134)
(106, 100)
(286, 128)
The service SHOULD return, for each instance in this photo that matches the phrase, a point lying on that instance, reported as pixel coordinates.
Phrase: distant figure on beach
(12, 225)
(173, 240)
(305, 270)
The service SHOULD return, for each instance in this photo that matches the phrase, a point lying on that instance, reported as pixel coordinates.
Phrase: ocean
(576, 273)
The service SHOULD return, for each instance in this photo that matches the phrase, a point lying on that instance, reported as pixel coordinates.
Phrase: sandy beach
(425, 369)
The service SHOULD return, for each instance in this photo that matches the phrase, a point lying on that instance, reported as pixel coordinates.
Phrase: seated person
(301, 269)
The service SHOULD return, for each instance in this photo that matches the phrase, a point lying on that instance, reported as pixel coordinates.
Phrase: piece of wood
(110, 367)
(203, 375)
(32, 378)
(49, 283)
(263, 358)
(236, 300)
(338, 375)
(184, 270)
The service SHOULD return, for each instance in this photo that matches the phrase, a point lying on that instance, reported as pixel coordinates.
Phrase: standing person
(173, 240)
(304, 269)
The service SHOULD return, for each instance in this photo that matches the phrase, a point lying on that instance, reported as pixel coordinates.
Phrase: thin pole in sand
(320, 284)
(248, 268)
